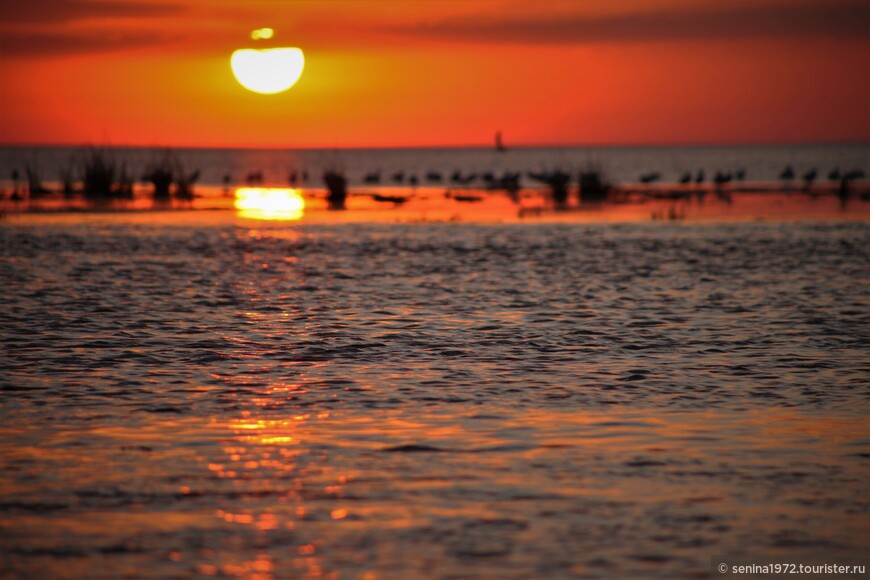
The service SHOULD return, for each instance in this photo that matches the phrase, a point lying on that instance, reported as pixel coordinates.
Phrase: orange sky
(395, 73)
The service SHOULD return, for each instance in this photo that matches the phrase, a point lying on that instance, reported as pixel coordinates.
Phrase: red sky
(446, 72)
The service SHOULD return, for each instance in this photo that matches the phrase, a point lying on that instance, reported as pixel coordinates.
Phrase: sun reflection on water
(266, 203)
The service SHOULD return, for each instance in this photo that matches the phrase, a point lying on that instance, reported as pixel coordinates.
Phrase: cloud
(834, 19)
(37, 44)
(35, 28)
(63, 11)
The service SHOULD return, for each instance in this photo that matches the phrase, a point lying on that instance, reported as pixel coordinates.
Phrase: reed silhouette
(809, 177)
(166, 170)
(124, 186)
(35, 188)
(184, 184)
(67, 180)
(16, 193)
(509, 182)
(593, 186)
(98, 171)
(160, 173)
(558, 182)
(336, 185)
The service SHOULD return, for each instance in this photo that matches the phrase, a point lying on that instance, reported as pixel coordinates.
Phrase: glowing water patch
(266, 203)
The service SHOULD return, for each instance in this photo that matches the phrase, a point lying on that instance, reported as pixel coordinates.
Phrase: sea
(403, 391)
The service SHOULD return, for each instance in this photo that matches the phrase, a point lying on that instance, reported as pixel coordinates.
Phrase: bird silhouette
(809, 177)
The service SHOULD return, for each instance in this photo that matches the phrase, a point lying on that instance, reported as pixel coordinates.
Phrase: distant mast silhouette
(499, 145)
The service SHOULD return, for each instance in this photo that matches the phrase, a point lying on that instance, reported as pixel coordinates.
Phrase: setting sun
(267, 71)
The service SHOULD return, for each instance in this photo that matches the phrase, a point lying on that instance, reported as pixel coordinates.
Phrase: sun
(269, 70)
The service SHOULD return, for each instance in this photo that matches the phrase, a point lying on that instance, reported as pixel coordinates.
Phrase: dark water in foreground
(216, 396)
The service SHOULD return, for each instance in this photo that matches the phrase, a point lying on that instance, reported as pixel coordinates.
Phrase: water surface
(197, 394)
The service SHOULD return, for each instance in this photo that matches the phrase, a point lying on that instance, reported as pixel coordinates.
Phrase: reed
(593, 185)
(98, 171)
(34, 180)
(160, 173)
(336, 185)
(165, 171)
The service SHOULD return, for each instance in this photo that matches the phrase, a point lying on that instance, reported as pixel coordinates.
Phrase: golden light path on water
(265, 203)
(416, 400)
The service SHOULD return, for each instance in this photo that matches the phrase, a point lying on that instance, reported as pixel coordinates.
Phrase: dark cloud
(834, 19)
(27, 44)
(33, 28)
(59, 11)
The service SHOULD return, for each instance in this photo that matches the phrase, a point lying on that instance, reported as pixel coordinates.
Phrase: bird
(255, 178)
(722, 177)
(460, 179)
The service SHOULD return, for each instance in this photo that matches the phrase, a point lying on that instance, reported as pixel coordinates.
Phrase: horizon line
(627, 145)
